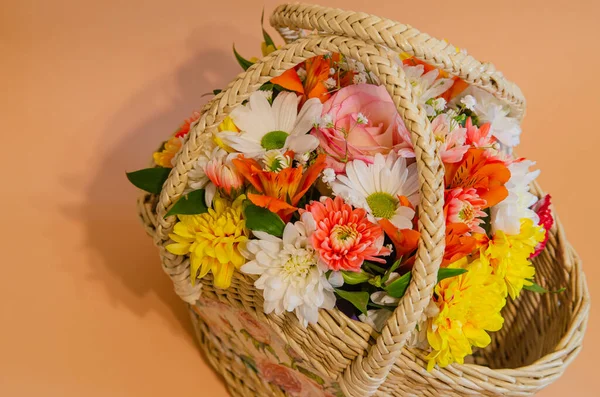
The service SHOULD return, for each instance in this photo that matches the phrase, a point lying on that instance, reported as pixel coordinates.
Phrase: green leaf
(191, 204)
(217, 92)
(244, 63)
(359, 299)
(149, 179)
(541, 290)
(398, 287)
(263, 220)
(445, 273)
(353, 278)
(268, 39)
(373, 267)
(392, 269)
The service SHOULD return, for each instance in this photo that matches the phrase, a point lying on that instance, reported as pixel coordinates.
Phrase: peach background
(89, 90)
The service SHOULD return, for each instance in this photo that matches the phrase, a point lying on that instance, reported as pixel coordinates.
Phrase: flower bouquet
(311, 193)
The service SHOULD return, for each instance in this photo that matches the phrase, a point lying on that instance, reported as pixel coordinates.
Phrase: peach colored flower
(344, 237)
(254, 327)
(281, 376)
(222, 173)
(358, 122)
(479, 136)
(465, 206)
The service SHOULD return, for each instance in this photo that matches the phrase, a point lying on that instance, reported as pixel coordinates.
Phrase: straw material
(542, 333)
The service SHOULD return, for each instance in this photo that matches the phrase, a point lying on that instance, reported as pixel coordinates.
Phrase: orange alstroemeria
(317, 72)
(458, 243)
(279, 191)
(405, 240)
(486, 175)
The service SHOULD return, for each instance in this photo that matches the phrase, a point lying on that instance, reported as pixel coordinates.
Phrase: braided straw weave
(542, 333)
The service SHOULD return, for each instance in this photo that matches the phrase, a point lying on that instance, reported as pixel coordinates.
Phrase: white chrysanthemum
(426, 86)
(290, 275)
(376, 187)
(266, 127)
(507, 214)
(489, 109)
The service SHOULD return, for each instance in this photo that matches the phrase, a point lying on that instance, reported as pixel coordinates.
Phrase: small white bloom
(301, 73)
(360, 78)
(290, 275)
(328, 175)
(376, 187)
(439, 104)
(336, 279)
(326, 121)
(266, 127)
(362, 119)
(469, 102)
(507, 214)
(330, 83)
(302, 158)
(376, 318)
(331, 71)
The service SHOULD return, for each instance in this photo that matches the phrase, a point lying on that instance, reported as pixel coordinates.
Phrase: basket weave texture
(542, 334)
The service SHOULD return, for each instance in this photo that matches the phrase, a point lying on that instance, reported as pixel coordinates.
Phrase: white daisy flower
(507, 214)
(266, 127)
(376, 187)
(469, 102)
(290, 274)
(491, 110)
(426, 86)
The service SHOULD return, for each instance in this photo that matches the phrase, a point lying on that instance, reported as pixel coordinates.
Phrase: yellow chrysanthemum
(226, 125)
(469, 306)
(164, 157)
(509, 256)
(213, 240)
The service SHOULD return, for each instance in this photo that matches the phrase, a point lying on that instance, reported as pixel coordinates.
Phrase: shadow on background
(125, 260)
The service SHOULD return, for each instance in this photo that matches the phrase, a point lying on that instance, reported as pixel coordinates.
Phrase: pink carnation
(360, 121)
(344, 237)
(465, 206)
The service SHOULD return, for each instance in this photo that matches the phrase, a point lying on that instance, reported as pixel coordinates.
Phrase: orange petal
(309, 177)
(289, 80)
(404, 240)
(250, 169)
(280, 207)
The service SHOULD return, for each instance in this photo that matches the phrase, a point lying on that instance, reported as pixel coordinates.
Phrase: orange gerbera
(317, 73)
(279, 191)
(486, 175)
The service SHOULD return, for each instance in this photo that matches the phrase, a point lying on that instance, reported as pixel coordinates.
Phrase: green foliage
(149, 179)
(261, 219)
(191, 204)
(244, 63)
(359, 299)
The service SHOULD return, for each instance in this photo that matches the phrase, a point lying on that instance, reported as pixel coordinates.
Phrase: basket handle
(290, 19)
(364, 376)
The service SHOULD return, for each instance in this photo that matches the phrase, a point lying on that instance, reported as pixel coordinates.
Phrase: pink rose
(360, 121)
(281, 376)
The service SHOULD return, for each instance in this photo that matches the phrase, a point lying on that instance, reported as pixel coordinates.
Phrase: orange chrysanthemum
(279, 191)
(344, 237)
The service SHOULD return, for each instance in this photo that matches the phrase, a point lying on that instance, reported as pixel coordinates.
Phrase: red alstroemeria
(486, 175)
(184, 128)
(542, 208)
(458, 243)
(279, 191)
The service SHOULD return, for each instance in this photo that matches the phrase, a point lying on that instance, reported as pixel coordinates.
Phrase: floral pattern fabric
(262, 350)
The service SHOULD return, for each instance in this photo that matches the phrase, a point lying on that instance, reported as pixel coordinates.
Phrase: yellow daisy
(213, 240)
(469, 307)
(509, 256)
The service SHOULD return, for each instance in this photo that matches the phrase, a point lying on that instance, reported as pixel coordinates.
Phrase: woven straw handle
(289, 19)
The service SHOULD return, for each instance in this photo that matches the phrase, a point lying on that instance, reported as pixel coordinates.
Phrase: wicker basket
(339, 356)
